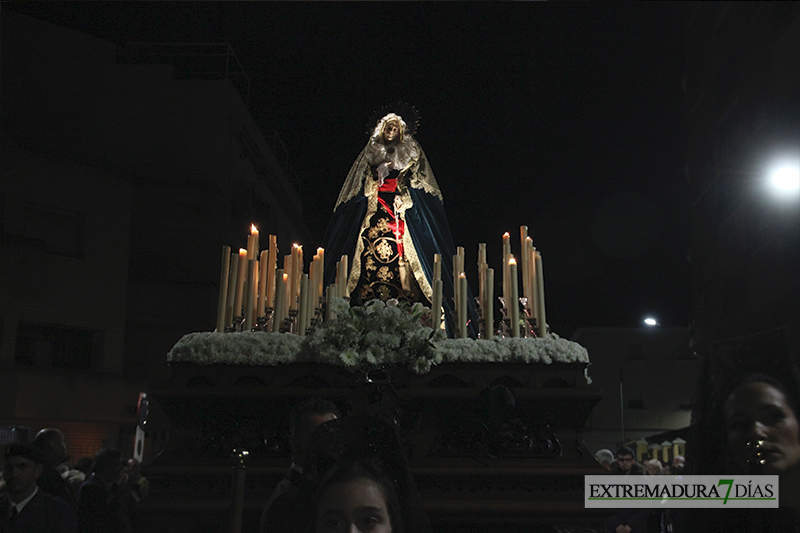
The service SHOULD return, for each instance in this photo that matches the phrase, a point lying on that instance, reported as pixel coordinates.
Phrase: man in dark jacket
(24, 508)
(289, 509)
(100, 508)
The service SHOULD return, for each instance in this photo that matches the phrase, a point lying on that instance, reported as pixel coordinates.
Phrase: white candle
(437, 266)
(481, 276)
(298, 273)
(540, 292)
(490, 307)
(232, 284)
(312, 285)
(534, 286)
(262, 283)
(341, 278)
(280, 296)
(514, 300)
(523, 257)
(330, 294)
(301, 318)
(252, 243)
(506, 254)
(436, 306)
(250, 303)
(456, 290)
(462, 306)
(224, 273)
(294, 279)
(288, 263)
(321, 274)
(240, 282)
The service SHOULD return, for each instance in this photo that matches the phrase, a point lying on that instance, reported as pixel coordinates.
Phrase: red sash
(397, 226)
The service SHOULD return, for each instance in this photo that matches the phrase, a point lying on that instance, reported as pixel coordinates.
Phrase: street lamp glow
(785, 179)
(649, 321)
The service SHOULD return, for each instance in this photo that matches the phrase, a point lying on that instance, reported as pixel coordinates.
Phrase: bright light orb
(786, 179)
(649, 321)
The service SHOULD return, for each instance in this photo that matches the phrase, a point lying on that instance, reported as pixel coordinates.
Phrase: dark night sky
(567, 117)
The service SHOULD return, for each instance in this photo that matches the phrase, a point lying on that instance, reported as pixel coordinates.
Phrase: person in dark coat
(99, 499)
(289, 508)
(24, 508)
(54, 449)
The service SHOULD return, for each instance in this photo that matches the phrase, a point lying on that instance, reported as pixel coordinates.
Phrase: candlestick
(528, 273)
(513, 303)
(298, 274)
(489, 312)
(436, 305)
(240, 281)
(456, 290)
(272, 265)
(288, 263)
(312, 284)
(249, 308)
(303, 316)
(262, 283)
(481, 275)
(330, 294)
(341, 278)
(534, 287)
(233, 282)
(321, 278)
(280, 297)
(542, 319)
(462, 306)
(506, 254)
(224, 273)
(293, 279)
(252, 243)
(523, 257)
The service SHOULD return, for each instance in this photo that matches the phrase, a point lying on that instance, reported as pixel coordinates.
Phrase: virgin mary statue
(389, 220)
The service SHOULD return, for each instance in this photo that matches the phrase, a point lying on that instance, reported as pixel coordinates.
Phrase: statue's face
(391, 131)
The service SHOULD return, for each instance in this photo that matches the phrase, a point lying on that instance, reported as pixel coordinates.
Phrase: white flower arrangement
(373, 336)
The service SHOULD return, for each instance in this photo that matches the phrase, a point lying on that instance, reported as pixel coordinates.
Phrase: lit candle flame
(253, 229)
(462, 275)
(512, 261)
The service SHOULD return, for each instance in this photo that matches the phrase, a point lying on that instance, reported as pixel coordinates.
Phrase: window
(48, 346)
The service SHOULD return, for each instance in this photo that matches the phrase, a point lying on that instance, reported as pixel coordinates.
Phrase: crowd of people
(43, 494)
(350, 473)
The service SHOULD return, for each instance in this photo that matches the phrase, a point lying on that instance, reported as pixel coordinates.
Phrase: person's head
(625, 459)
(356, 496)
(390, 130)
(108, 465)
(54, 447)
(653, 467)
(761, 421)
(303, 420)
(605, 458)
(24, 464)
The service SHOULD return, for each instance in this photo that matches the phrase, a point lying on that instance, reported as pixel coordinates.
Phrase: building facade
(121, 183)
